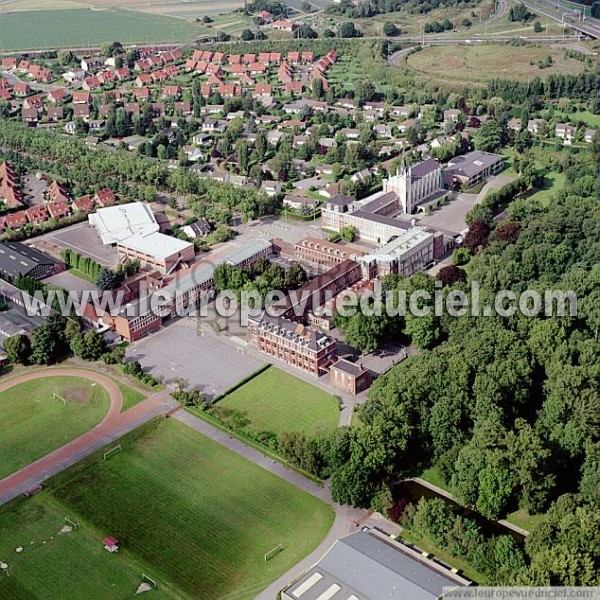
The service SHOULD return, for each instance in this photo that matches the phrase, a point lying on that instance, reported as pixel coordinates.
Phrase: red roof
(109, 540)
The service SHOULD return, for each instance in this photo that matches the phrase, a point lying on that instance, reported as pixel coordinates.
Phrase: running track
(114, 425)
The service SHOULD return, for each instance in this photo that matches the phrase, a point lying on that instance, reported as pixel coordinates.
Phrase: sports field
(481, 63)
(85, 27)
(33, 422)
(188, 512)
(276, 401)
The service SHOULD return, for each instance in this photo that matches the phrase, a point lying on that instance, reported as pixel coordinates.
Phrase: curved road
(114, 425)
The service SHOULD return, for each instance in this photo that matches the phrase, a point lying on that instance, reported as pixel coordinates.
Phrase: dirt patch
(77, 394)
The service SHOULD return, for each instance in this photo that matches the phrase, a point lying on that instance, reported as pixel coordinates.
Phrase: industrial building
(469, 169)
(18, 259)
(368, 565)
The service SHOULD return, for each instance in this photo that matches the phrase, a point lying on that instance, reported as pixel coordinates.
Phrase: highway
(589, 26)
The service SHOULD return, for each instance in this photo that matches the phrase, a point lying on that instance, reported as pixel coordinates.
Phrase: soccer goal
(72, 523)
(57, 397)
(112, 451)
(273, 552)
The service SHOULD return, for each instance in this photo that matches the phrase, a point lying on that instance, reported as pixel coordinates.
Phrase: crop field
(276, 401)
(84, 27)
(188, 512)
(478, 64)
(34, 422)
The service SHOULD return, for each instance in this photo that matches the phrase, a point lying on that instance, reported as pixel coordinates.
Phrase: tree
(451, 274)
(390, 29)
(306, 31)
(349, 233)
(537, 27)
(295, 276)
(348, 30)
(489, 136)
(477, 236)
(107, 279)
(95, 345)
(44, 345)
(18, 348)
(247, 35)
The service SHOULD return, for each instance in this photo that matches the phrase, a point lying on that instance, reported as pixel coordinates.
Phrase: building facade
(322, 254)
(305, 348)
(415, 184)
(349, 377)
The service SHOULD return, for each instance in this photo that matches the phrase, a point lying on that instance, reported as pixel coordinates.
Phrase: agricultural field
(35, 422)
(84, 27)
(276, 401)
(188, 512)
(478, 64)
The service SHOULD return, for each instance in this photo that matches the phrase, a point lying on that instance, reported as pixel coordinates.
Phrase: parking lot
(81, 238)
(288, 230)
(207, 361)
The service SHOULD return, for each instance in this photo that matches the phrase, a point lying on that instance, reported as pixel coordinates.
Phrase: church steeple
(401, 169)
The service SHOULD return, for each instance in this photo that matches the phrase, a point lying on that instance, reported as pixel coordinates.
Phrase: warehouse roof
(17, 258)
(367, 566)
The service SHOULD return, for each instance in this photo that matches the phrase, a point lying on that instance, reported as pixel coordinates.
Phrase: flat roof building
(368, 565)
(134, 230)
(473, 167)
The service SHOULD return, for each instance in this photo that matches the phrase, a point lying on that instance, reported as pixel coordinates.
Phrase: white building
(416, 184)
(135, 231)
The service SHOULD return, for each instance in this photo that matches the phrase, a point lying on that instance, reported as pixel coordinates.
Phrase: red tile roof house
(81, 97)
(91, 83)
(57, 95)
(171, 91)
(123, 73)
(249, 58)
(83, 204)
(307, 57)
(235, 59)
(37, 214)
(21, 89)
(190, 64)
(266, 16)
(263, 90)
(229, 90)
(141, 93)
(16, 220)
(58, 210)
(81, 110)
(5, 95)
(293, 87)
(33, 102)
(245, 79)
(293, 57)
(30, 115)
(217, 58)
(105, 197)
(185, 108)
(283, 25)
(263, 58)
(44, 75)
(57, 192)
(9, 63)
(4, 84)
(11, 196)
(55, 113)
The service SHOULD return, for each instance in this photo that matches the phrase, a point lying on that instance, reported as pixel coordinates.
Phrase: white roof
(117, 223)
(155, 244)
(399, 246)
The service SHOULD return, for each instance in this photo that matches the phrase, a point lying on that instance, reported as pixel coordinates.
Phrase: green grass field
(188, 512)
(583, 115)
(276, 401)
(131, 397)
(34, 423)
(86, 27)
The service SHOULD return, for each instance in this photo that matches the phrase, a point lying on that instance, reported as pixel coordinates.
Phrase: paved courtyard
(80, 238)
(208, 363)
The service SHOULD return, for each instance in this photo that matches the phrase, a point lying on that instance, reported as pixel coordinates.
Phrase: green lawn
(59, 565)
(63, 28)
(583, 115)
(34, 423)
(276, 401)
(433, 476)
(131, 397)
(552, 183)
(195, 516)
